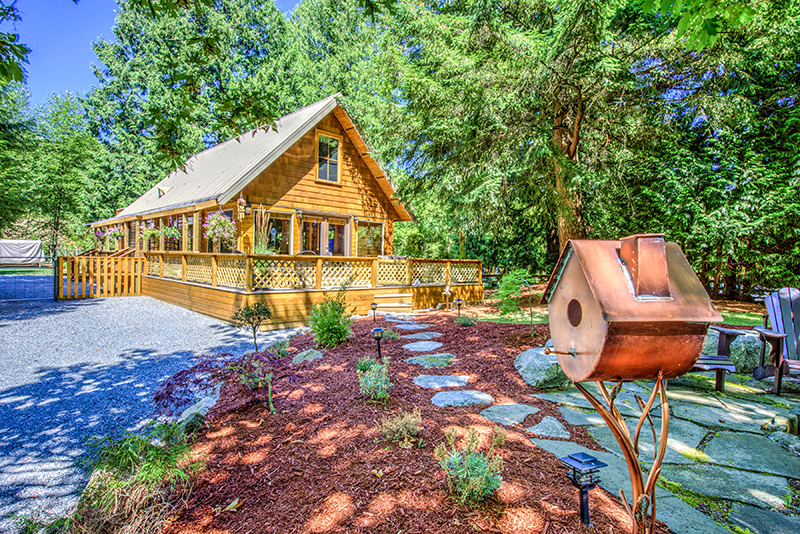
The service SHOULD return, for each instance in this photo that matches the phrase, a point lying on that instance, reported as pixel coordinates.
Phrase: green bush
(402, 428)
(510, 291)
(330, 319)
(251, 317)
(374, 381)
(390, 334)
(464, 320)
(471, 475)
(366, 363)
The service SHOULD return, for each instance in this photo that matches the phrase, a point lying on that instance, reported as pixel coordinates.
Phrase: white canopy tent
(21, 252)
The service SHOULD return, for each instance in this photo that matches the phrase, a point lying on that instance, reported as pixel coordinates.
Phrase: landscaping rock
(400, 318)
(432, 361)
(753, 452)
(579, 418)
(422, 335)
(746, 353)
(422, 346)
(739, 416)
(193, 416)
(787, 441)
(441, 381)
(306, 356)
(684, 437)
(760, 521)
(549, 426)
(508, 414)
(764, 491)
(411, 326)
(549, 343)
(711, 344)
(625, 402)
(461, 398)
(541, 370)
(680, 517)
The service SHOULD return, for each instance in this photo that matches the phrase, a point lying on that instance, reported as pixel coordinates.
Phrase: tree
(15, 143)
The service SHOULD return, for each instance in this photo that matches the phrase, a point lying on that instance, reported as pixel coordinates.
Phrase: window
(328, 160)
(272, 232)
(336, 237)
(370, 238)
(311, 235)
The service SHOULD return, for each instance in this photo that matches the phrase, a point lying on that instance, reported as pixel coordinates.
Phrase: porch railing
(80, 277)
(268, 272)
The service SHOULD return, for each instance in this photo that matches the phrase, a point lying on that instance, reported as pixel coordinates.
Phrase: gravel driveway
(78, 368)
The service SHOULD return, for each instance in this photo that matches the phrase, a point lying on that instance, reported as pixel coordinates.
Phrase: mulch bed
(319, 465)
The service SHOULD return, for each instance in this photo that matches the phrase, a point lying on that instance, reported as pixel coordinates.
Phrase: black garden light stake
(459, 302)
(374, 307)
(584, 476)
(377, 333)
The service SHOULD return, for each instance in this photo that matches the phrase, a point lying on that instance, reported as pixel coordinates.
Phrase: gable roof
(220, 172)
(611, 286)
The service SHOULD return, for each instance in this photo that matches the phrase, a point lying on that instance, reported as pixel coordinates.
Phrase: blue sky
(60, 35)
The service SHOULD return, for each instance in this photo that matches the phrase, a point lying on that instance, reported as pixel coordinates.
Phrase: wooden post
(161, 239)
(60, 280)
(69, 273)
(480, 272)
(117, 266)
(410, 270)
(196, 232)
(374, 278)
(213, 271)
(161, 266)
(248, 274)
(447, 273)
(84, 268)
(184, 233)
(184, 266)
(319, 273)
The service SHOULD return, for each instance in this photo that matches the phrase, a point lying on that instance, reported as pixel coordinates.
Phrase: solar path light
(459, 302)
(377, 333)
(374, 307)
(584, 476)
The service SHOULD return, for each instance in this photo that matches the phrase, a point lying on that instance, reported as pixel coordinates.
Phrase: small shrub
(281, 348)
(463, 320)
(251, 317)
(366, 363)
(402, 428)
(510, 292)
(330, 319)
(374, 382)
(390, 334)
(471, 475)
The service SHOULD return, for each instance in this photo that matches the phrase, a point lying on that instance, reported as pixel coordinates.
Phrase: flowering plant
(110, 233)
(148, 231)
(170, 232)
(218, 227)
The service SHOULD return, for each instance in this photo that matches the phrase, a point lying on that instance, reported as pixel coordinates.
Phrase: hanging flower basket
(220, 228)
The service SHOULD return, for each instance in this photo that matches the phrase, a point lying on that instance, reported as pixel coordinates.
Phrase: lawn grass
(539, 316)
(16, 271)
(742, 318)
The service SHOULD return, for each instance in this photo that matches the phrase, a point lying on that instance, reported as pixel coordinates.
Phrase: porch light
(374, 307)
(377, 333)
(298, 213)
(584, 475)
(459, 302)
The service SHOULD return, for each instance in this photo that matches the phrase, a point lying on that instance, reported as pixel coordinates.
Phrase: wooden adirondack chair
(783, 312)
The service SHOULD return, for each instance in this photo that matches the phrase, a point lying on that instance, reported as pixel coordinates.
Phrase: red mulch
(320, 466)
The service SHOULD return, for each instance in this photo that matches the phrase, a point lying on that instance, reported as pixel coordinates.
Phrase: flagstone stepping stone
(739, 416)
(579, 418)
(753, 452)
(423, 346)
(422, 335)
(306, 356)
(683, 439)
(764, 491)
(432, 361)
(441, 381)
(461, 398)
(788, 441)
(760, 521)
(399, 318)
(508, 414)
(551, 427)
(411, 326)
(625, 401)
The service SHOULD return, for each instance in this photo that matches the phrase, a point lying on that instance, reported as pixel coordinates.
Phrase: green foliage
(366, 363)
(472, 476)
(16, 139)
(401, 427)
(374, 382)
(464, 320)
(281, 348)
(251, 317)
(510, 292)
(390, 334)
(330, 319)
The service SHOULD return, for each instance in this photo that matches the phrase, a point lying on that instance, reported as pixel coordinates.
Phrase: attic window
(329, 149)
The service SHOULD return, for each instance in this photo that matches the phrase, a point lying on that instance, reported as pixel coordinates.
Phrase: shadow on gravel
(41, 435)
(27, 310)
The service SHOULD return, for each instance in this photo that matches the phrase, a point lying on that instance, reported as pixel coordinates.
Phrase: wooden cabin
(313, 209)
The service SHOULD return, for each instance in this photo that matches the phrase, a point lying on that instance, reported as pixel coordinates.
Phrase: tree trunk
(569, 201)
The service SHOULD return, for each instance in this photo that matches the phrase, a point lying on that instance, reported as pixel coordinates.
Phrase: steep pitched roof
(220, 172)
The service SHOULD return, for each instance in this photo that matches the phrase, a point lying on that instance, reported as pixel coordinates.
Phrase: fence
(81, 277)
(22, 281)
(270, 272)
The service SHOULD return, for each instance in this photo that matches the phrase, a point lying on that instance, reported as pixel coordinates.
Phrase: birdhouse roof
(611, 283)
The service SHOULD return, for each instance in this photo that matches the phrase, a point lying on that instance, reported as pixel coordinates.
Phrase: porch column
(185, 230)
(161, 237)
(196, 232)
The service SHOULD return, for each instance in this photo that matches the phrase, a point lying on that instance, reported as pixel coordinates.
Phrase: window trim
(281, 213)
(317, 134)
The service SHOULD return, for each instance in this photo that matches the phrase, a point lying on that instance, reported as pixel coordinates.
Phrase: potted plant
(220, 229)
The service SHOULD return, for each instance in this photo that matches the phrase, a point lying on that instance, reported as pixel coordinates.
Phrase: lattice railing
(152, 265)
(198, 269)
(354, 273)
(392, 272)
(173, 267)
(428, 273)
(461, 273)
(284, 274)
(230, 272)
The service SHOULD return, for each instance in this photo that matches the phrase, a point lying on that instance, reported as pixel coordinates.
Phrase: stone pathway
(716, 451)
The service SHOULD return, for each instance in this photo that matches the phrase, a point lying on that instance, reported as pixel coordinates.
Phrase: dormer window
(329, 151)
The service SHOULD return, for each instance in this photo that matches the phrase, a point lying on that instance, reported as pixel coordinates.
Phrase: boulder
(193, 416)
(712, 341)
(787, 441)
(541, 370)
(306, 356)
(746, 353)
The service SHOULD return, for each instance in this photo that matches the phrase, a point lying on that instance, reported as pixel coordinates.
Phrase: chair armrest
(775, 341)
(726, 335)
(769, 334)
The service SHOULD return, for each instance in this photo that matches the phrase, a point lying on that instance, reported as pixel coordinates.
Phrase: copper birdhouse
(627, 310)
